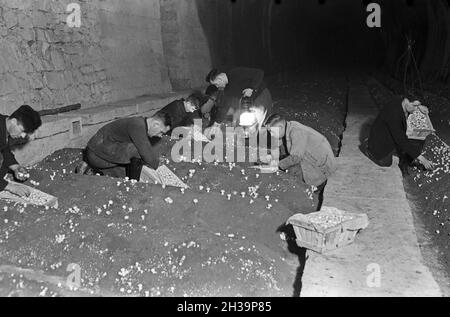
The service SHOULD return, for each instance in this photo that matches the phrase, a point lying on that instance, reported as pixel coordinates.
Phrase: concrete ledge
(74, 129)
(52, 125)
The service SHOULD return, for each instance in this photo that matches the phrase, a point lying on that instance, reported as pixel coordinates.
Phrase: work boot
(133, 170)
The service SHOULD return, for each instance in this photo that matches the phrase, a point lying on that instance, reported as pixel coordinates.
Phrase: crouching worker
(120, 148)
(304, 148)
(388, 135)
(183, 112)
(22, 123)
(238, 83)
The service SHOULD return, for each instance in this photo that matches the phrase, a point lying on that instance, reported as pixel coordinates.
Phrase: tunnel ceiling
(287, 34)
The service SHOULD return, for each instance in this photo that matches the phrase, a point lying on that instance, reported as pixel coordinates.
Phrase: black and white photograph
(222, 155)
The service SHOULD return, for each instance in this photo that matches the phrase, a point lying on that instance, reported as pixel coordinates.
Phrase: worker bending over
(20, 125)
(120, 148)
(302, 147)
(183, 112)
(388, 135)
(238, 83)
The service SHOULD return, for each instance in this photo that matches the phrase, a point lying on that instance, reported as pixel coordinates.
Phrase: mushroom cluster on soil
(434, 184)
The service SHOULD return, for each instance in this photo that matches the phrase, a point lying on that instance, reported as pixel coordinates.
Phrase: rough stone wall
(133, 48)
(117, 53)
(185, 44)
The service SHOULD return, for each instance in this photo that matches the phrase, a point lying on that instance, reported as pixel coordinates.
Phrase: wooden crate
(315, 238)
(50, 200)
(163, 175)
(420, 134)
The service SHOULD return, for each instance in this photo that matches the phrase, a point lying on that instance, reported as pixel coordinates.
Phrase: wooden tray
(163, 175)
(420, 134)
(50, 200)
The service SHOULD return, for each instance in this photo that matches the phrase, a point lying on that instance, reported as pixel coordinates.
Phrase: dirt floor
(429, 191)
(142, 240)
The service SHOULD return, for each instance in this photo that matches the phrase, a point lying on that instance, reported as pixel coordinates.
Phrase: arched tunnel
(100, 196)
(286, 35)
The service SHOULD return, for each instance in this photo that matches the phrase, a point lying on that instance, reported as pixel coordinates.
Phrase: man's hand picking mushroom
(20, 173)
(426, 163)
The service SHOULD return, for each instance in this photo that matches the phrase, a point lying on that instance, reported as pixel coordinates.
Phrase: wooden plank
(48, 112)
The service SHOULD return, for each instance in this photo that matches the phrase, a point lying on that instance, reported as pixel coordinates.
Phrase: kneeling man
(22, 123)
(305, 147)
(121, 147)
(388, 135)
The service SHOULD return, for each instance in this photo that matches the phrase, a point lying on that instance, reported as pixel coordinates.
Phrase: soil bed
(129, 239)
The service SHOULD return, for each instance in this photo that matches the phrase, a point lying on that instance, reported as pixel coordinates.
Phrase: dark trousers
(383, 162)
(102, 166)
(320, 191)
(3, 168)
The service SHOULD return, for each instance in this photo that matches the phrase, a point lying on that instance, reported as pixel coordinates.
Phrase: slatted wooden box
(323, 239)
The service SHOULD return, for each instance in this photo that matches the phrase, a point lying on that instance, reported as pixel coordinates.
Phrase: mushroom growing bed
(216, 238)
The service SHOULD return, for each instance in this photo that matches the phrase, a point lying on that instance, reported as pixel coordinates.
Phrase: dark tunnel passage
(281, 35)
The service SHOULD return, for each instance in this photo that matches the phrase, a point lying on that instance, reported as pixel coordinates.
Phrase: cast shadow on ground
(364, 135)
(288, 230)
(365, 130)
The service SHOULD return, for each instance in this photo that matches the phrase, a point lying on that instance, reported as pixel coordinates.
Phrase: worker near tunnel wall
(122, 147)
(233, 85)
(19, 126)
(388, 135)
(303, 149)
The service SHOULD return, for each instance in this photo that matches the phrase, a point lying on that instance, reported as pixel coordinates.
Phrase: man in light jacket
(306, 148)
